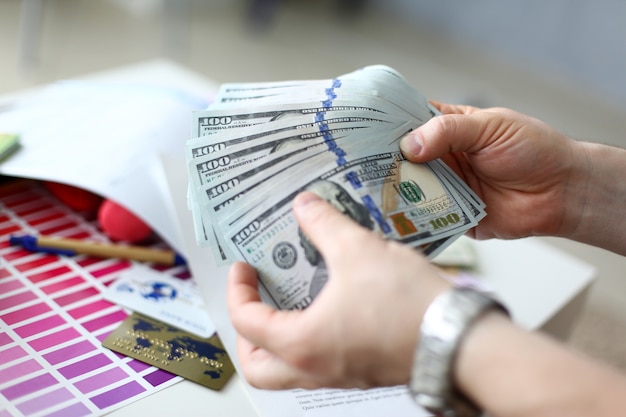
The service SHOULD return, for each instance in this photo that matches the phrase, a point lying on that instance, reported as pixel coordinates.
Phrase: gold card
(204, 361)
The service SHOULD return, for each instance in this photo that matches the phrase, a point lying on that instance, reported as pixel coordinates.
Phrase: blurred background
(563, 61)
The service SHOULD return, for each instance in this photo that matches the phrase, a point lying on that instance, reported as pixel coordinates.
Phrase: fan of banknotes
(260, 144)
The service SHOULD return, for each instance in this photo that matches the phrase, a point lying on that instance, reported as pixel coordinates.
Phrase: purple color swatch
(101, 380)
(117, 395)
(29, 386)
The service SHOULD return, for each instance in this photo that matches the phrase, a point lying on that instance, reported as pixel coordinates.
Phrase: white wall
(583, 41)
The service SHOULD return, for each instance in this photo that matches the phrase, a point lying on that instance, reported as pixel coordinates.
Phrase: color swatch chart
(53, 318)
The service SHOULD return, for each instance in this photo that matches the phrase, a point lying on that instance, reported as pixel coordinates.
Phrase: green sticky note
(8, 143)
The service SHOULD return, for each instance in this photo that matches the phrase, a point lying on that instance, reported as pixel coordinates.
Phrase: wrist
(596, 195)
(447, 321)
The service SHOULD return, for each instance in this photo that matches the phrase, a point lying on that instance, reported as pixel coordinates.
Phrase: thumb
(327, 228)
(445, 134)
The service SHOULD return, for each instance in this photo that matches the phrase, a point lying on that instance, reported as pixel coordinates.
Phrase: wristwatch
(445, 322)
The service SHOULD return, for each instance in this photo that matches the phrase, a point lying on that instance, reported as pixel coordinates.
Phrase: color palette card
(53, 318)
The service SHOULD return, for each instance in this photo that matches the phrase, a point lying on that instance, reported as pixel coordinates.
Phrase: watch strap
(444, 325)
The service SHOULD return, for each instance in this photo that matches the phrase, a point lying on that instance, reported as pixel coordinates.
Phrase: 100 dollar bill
(395, 198)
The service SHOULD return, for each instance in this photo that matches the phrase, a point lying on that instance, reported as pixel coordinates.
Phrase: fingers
(242, 286)
(460, 128)
(263, 369)
(445, 134)
(330, 231)
(267, 340)
(254, 320)
(446, 108)
(450, 133)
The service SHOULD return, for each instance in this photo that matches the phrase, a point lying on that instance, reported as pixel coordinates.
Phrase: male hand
(523, 169)
(361, 330)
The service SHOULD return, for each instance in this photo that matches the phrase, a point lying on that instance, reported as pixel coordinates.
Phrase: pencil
(101, 250)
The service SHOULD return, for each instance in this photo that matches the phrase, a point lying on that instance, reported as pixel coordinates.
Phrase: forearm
(597, 193)
(510, 372)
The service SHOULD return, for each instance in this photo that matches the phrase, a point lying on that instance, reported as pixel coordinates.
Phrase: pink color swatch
(53, 320)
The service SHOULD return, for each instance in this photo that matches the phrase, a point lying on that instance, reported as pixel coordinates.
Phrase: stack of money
(260, 144)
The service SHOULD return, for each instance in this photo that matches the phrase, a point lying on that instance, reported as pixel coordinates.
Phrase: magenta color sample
(29, 386)
(85, 365)
(68, 224)
(138, 366)
(76, 296)
(50, 273)
(16, 299)
(70, 282)
(39, 326)
(158, 377)
(54, 339)
(69, 352)
(12, 354)
(100, 322)
(74, 410)
(5, 339)
(18, 197)
(9, 228)
(10, 285)
(110, 269)
(44, 401)
(100, 380)
(90, 308)
(25, 313)
(102, 336)
(36, 263)
(117, 395)
(48, 216)
(19, 370)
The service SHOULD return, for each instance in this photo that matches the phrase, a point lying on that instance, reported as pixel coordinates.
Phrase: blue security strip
(375, 212)
(330, 93)
(320, 118)
(353, 179)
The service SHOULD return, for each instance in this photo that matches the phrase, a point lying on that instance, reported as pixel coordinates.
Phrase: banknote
(297, 162)
(260, 144)
(385, 193)
(373, 80)
(222, 170)
(243, 145)
(232, 134)
(206, 122)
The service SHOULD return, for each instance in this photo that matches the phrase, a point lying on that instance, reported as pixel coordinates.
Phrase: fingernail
(305, 198)
(411, 144)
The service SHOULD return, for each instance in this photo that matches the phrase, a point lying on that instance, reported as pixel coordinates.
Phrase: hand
(524, 170)
(361, 330)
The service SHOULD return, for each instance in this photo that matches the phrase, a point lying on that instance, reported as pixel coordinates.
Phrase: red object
(75, 198)
(120, 224)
